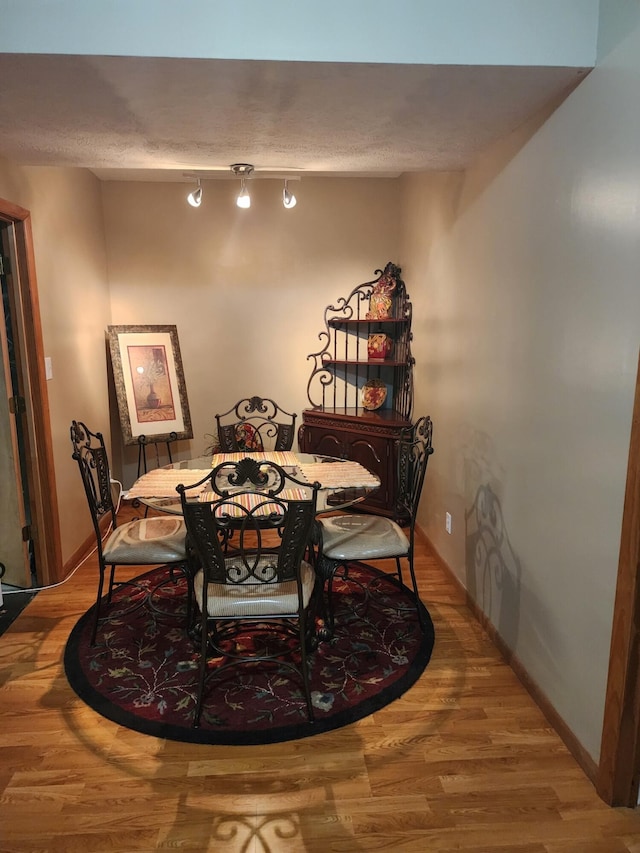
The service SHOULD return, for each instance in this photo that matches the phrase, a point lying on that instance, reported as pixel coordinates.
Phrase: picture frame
(149, 384)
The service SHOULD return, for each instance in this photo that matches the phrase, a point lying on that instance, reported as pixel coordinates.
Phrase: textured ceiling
(155, 119)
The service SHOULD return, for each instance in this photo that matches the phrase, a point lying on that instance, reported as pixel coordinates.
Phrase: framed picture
(149, 382)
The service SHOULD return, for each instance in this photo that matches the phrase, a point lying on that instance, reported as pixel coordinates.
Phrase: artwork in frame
(149, 383)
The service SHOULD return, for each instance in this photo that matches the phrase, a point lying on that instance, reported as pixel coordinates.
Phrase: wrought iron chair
(255, 424)
(257, 601)
(342, 539)
(143, 542)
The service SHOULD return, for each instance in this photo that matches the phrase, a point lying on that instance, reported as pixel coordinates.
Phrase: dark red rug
(142, 673)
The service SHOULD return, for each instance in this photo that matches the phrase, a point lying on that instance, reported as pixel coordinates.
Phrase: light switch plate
(48, 368)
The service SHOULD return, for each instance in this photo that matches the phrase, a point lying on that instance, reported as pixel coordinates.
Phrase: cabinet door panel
(325, 442)
(376, 452)
(373, 453)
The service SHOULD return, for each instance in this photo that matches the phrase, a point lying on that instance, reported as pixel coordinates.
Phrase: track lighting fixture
(288, 198)
(195, 198)
(244, 171)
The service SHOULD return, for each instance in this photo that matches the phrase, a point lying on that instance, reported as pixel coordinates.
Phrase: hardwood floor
(464, 761)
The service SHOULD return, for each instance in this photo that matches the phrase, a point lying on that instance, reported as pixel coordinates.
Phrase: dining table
(343, 482)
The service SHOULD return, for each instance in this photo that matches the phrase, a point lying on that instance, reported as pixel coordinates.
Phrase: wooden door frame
(619, 768)
(40, 464)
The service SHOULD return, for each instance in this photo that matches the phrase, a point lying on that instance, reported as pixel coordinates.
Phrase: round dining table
(343, 482)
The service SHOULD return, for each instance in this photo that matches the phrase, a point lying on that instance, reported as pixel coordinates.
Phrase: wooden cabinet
(366, 352)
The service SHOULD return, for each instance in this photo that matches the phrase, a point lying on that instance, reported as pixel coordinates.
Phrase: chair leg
(204, 645)
(189, 603)
(416, 593)
(184, 568)
(330, 579)
(112, 575)
(331, 574)
(316, 619)
(330, 619)
(96, 619)
(325, 571)
(305, 667)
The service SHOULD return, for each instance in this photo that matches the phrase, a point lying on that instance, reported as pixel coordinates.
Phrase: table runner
(253, 501)
(284, 458)
(337, 475)
(162, 482)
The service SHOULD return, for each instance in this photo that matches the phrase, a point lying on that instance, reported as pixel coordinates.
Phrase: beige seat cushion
(148, 540)
(362, 537)
(255, 599)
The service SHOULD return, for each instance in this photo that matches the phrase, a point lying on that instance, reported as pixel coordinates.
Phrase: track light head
(195, 198)
(243, 199)
(288, 198)
(243, 171)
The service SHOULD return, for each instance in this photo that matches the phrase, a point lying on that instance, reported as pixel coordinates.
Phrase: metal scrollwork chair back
(344, 538)
(258, 599)
(255, 424)
(146, 542)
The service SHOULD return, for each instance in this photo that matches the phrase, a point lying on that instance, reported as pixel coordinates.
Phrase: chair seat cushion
(147, 541)
(362, 537)
(255, 599)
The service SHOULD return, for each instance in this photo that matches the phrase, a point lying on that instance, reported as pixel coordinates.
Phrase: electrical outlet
(447, 522)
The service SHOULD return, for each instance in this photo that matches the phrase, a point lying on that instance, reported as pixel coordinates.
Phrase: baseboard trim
(554, 719)
(79, 555)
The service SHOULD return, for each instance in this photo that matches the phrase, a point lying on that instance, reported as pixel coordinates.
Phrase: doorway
(619, 771)
(32, 534)
(16, 544)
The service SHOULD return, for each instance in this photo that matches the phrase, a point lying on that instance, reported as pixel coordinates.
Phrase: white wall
(459, 32)
(527, 347)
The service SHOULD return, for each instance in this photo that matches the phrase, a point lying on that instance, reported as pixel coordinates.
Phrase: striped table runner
(162, 482)
(284, 458)
(338, 475)
(251, 501)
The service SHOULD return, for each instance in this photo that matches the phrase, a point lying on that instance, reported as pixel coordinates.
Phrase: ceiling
(132, 118)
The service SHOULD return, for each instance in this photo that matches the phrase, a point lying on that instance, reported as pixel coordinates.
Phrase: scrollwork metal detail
(340, 366)
(255, 423)
(250, 501)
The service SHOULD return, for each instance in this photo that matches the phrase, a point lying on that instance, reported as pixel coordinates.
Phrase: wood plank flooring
(464, 761)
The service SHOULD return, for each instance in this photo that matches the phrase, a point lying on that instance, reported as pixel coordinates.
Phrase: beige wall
(246, 289)
(527, 347)
(66, 213)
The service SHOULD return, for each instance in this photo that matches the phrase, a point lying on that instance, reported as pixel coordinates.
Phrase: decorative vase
(381, 299)
(153, 401)
(374, 393)
(379, 346)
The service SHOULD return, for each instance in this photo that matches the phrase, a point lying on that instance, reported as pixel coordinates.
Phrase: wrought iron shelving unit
(337, 423)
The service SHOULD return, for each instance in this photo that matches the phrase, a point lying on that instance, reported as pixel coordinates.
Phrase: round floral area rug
(142, 672)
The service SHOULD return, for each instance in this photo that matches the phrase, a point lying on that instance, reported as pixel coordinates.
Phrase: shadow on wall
(493, 570)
